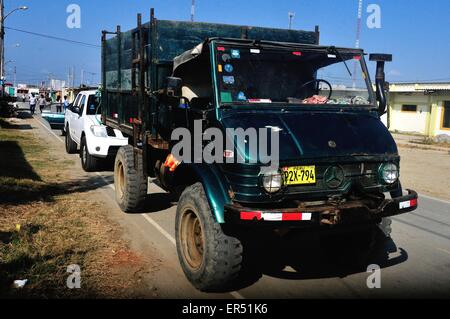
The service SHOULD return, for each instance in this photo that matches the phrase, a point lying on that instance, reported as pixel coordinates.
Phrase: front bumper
(330, 213)
(101, 146)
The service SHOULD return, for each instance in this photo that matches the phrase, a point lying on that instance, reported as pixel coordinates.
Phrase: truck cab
(252, 128)
(85, 131)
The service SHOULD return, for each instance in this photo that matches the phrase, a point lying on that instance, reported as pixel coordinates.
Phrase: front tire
(71, 146)
(88, 162)
(211, 260)
(130, 183)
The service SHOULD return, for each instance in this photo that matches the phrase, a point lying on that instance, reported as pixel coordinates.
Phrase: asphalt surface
(414, 264)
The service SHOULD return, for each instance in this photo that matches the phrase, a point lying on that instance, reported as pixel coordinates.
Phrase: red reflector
(228, 154)
(292, 216)
(220, 49)
(297, 53)
(251, 215)
(413, 202)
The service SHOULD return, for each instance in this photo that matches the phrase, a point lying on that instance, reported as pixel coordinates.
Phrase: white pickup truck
(85, 131)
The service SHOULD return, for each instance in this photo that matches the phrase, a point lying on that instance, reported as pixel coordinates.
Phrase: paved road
(414, 264)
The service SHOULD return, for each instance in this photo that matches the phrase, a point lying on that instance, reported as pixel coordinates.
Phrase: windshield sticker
(228, 80)
(229, 68)
(226, 57)
(222, 49)
(357, 57)
(241, 96)
(226, 97)
(235, 54)
(255, 51)
(220, 68)
(332, 56)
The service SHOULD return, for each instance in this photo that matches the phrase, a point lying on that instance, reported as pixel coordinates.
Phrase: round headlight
(389, 173)
(273, 182)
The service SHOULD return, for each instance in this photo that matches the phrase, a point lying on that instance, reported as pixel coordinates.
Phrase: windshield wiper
(333, 50)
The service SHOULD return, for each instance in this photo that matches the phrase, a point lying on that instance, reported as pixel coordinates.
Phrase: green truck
(337, 164)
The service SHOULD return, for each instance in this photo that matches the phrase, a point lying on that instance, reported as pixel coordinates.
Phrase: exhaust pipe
(380, 80)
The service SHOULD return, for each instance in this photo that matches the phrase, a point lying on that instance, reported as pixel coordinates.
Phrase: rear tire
(71, 146)
(88, 162)
(211, 260)
(130, 184)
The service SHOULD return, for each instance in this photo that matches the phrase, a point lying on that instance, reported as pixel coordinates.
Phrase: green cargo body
(162, 42)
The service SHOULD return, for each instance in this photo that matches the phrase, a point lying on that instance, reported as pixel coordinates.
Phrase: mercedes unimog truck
(337, 164)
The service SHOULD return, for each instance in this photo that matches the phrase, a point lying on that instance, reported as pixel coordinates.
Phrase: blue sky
(416, 32)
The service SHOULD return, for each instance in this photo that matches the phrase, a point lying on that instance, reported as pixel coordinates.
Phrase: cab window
(77, 100)
(82, 104)
(93, 105)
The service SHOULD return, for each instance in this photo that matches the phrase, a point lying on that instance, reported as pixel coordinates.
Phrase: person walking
(66, 103)
(59, 104)
(32, 104)
(42, 103)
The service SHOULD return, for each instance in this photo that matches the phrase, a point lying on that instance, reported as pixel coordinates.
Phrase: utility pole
(73, 76)
(193, 11)
(291, 18)
(15, 76)
(82, 78)
(2, 45)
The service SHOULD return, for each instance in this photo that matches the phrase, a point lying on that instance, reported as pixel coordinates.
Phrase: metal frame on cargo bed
(136, 63)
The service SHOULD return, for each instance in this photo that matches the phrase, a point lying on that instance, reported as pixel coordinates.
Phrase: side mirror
(76, 110)
(380, 78)
(173, 88)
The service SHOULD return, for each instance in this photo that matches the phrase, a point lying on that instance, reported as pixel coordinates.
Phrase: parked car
(56, 120)
(85, 131)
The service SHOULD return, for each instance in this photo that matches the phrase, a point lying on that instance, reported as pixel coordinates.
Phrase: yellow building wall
(410, 122)
(436, 122)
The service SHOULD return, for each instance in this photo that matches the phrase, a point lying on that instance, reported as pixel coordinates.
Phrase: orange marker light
(172, 163)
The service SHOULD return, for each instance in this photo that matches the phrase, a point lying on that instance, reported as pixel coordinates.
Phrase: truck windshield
(309, 76)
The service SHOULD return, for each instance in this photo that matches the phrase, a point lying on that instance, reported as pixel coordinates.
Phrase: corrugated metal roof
(419, 87)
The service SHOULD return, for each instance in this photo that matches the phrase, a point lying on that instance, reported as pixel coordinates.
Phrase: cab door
(78, 120)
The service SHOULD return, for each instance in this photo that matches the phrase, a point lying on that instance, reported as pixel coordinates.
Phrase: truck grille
(110, 132)
(245, 183)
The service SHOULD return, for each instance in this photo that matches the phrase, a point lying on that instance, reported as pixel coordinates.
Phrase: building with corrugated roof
(420, 108)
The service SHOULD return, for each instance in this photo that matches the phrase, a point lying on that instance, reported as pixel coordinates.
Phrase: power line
(55, 38)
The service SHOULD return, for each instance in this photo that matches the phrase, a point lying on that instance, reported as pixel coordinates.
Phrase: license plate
(299, 175)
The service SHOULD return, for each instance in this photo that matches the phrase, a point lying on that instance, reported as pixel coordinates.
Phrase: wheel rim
(120, 180)
(192, 238)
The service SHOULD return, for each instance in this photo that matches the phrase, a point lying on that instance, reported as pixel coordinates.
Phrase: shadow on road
(16, 165)
(13, 126)
(304, 256)
(29, 192)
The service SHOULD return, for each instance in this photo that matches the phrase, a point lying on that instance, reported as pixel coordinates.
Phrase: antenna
(358, 37)
(193, 11)
(291, 16)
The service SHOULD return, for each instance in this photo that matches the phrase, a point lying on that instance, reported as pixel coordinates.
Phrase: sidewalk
(418, 142)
